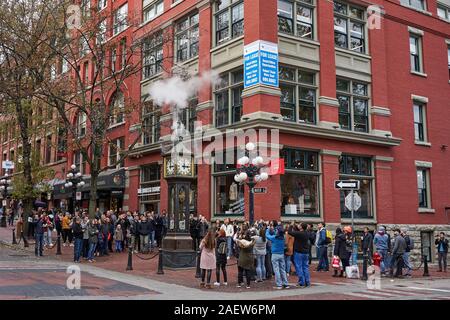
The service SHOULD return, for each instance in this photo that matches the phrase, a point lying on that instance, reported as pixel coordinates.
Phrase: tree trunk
(93, 195)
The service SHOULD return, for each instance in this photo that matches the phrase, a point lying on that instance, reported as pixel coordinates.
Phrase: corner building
(356, 100)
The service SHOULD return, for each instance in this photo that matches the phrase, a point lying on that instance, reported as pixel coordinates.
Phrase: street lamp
(4, 187)
(74, 180)
(249, 171)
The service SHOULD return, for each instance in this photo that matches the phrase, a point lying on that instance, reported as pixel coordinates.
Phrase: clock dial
(184, 167)
(170, 167)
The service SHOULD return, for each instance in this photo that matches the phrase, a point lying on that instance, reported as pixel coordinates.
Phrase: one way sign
(346, 184)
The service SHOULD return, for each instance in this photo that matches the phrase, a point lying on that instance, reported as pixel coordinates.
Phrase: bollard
(160, 262)
(25, 241)
(198, 272)
(58, 245)
(425, 266)
(130, 258)
(364, 275)
(14, 236)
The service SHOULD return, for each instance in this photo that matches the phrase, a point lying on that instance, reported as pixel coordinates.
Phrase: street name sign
(346, 184)
(260, 190)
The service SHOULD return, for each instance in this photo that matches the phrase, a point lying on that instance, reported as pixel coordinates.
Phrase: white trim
(426, 210)
(176, 3)
(380, 111)
(415, 31)
(421, 74)
(423, 164)
(422, 143)
(383, 158)
(419, 98)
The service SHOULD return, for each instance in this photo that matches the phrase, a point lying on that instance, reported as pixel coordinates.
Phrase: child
(118, 237)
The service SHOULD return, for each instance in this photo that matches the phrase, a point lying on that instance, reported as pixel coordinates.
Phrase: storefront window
(300, 183)
(150, 189)
(357, 168)
(229, 196)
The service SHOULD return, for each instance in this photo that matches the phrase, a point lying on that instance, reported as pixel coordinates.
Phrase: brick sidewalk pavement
(186, 277)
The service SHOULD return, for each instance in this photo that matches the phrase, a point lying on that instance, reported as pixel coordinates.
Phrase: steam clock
(177, 246)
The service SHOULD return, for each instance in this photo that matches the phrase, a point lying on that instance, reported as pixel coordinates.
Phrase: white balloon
(259, 160)
(255, 161)
(244, 160)
(237, 178)
(257, 178)
(264, 176)
(250, 146)
(243, 176)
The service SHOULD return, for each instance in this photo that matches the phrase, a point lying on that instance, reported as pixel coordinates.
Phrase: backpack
(329, 237)
(222, 249)
(410, 243)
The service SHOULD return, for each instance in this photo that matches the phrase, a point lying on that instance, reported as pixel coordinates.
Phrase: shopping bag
(335, 263)
(352, 272)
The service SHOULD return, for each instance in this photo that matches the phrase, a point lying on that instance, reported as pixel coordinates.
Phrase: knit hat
(381, 229)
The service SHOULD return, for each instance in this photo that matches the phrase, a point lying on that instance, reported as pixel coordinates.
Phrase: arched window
(117, 109)
(81, 124)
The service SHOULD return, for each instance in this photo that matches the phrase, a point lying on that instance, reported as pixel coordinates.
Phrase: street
(23, 276)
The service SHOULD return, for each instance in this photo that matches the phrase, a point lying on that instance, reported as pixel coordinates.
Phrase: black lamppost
(4, 187)
(74, 180)
(249, 171)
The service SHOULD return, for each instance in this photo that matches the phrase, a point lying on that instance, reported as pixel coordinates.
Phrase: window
(120, 19)
(86, 72)
(101, 35)
(116, 148)
(187, 37)
(123, 53)
(86, 8)
(416, 4)
(152, 9)
(39, 118)
(84, 46)
(443, 12)
(53, 72)
(415, 51)
(64, 65)
(298, 95)
(81, 124)
(228, 195)
(62, 142)
(300, 183)
(117, 109)
(228, 98)
(349, 27)
(189, 115)
(79, 162)
(151, 173)
(357, 168)
(353, 100)
(229, 20)
(113, 60)
(153, 55)
(303, 24)
(38, 151)
(48, 149)
(102, 4)
(151, 126)
(419, 122)
(423, 187)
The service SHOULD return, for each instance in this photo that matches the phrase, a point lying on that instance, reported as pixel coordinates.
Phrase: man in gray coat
(397, 253)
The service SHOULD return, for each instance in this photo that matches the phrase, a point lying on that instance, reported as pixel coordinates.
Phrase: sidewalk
(148, 268)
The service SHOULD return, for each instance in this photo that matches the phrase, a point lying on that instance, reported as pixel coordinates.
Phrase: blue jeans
(39, 244)
(323, 258)
(118, 246)
(301, 262)
(279, 268)
(406, 263)
(77, 249)
(287, 262)
(152, 239)
(260, 267)
(384, 260)
(229, 246)
(91, 251)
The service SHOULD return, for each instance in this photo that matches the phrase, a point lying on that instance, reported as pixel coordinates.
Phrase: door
(426, 238)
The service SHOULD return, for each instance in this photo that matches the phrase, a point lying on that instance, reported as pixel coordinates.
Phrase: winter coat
(444, 242)
(77, 231)
(207, 257)
(84, 226)
(66, 222)
(134, 228)
(301, 241)
(39, 226)
(246, 257)
(367, 243)
(340, 247)
(202, 228)
(399, 245)
(220, 258)
(118, 235)
(277, 242)
(381, 241)
(289, 245)
(145, 228)
(260, 246)
(93, 233)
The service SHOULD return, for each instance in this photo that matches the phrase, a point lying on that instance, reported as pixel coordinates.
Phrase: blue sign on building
(261, 64)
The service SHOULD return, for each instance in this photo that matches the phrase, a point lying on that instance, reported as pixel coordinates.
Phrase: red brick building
(356, 100)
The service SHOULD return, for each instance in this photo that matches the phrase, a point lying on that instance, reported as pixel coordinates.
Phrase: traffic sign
(355, 202)
(346, 184)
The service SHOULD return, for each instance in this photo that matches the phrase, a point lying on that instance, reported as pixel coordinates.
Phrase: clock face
(170, 167)
(184, 167)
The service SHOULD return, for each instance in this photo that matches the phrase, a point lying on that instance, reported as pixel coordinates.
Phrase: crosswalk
(407, 293)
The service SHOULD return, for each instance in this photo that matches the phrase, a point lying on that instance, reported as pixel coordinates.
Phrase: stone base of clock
(177, 252)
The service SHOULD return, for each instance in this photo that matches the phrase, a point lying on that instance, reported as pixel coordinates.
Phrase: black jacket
(437, 242)
(193, 228)
(202, 228)
(301, 240)
(340, 247)
(367, 243)
(77, 231)
(220, 258)
(38, 226)
(134, 228)
(145, 228)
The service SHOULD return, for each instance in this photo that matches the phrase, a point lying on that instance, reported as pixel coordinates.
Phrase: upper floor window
(423, 187)
(117, 109)
(86, 8)
(303, 11)
(81, 124)
(153, 55)
(102, 4)
(64, 65)
(151, 173)
(298, 95)
(187, 37)
(123, 53)
(420, 133)
(415, 52)
(228, 98)
(353, 100)
(354, 165)
(189, 115)
(120, 19)
(416, 4)
(150, 123)
(101, 35)
(443, 12)
(229, 20)
(79, 161)
(349, 27)
(84, 45)
(113, 61)
(116, 147)
(152, 9)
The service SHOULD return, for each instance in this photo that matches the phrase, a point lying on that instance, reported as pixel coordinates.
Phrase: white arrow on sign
(343, 184)
(356, 201)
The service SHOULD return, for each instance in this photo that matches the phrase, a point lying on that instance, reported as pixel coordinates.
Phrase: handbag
(336, 262)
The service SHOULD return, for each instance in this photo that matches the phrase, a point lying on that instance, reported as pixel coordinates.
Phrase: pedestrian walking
(275, 234)
(93, 238)
(397, 253)
(302, 248)
(381, 245)
(442, 249)
(409, 246)
(207, 258)
(260, 251)
(221, 258)
(246, 258)
(38, 224)
(322, 247)
(341, 250)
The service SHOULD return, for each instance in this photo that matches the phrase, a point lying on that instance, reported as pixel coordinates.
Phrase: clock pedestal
(177, 246)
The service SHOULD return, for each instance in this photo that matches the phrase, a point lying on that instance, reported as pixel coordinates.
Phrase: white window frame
(102, 4)
(190, 39)
(117, 145)
(157, 6)
(348, 32)
(117, 111)
(418, 36)
(120, 22)
(309, 4)
(229, 11)
(81, 121)
(423, 110)
(424, 167)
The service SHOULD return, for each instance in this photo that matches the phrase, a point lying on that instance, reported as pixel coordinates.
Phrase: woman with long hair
(260, 254)
(207, 257)
(245, 260)
(221, 257)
